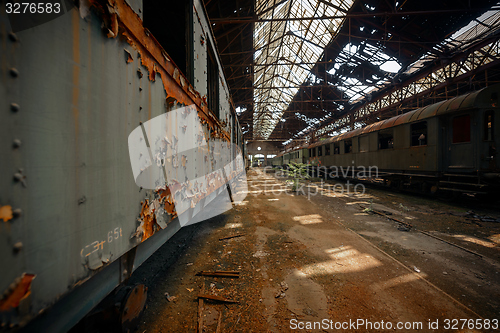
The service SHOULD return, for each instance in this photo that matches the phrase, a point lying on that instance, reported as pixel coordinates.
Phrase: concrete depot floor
(305, 258)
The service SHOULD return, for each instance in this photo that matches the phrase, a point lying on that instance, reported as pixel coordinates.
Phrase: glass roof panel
(280, 45)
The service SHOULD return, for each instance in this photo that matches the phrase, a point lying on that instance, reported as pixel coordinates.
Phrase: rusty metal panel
(353, 133)
(377, 126)
(137, 6)
(457, 103)
(80, 99)
(68, 201)
(416, 114)
(430, 111)
(443, 108)
(387, 123)
(401, 119)
(368, 128)
(486, 98)
(470, 100)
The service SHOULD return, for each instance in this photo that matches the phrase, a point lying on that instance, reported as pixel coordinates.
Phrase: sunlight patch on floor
(475, 240)
(234, 225)
(398, 280)
(345, 259)
(308, 219)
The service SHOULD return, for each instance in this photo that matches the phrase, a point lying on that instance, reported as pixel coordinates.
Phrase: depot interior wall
(266, 148)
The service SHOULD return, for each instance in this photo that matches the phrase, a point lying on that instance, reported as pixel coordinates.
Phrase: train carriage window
(385, 139)
(419, 134)
(327, 149)
(336, 148)
(212, 80)
(347, 146)
(320, 151)
(175, 34)
(461, 129)
(488, 125)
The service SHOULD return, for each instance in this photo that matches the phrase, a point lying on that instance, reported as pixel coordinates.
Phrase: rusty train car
(450, 146)
(75, 224)
(296, 155)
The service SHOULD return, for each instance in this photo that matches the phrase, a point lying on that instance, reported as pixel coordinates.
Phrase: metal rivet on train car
(14, 72)
(14, 107)
(18, 246)
(13, 37)
(140, 88)
(82, 200)
(17, 212)
(16, 143)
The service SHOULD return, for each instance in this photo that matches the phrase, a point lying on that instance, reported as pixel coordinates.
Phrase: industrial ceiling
(302, 69)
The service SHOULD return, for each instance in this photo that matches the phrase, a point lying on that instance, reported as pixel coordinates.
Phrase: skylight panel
(391, 66)
(305, 45)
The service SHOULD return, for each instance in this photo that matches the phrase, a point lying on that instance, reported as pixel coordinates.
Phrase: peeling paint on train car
(80, 210)
(120, 18)
(19, 289)
(6, 213)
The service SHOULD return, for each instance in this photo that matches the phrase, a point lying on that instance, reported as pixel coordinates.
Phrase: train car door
(459, 156)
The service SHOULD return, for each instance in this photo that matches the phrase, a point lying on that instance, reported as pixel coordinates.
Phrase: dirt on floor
(325, 260)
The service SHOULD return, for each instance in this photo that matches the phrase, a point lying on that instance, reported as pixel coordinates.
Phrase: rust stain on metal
(6, 213)
(113, 25)
(152, 73)
(148, 220)
(20, 289)
(120, 20)
(167, 199)
(163, 198)
(129, 58)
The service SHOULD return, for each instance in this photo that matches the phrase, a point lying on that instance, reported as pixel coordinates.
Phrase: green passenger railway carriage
(296, 155)
(448, 146)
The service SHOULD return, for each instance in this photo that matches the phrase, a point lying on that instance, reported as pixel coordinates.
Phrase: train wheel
(434, 189)
(132, 308)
